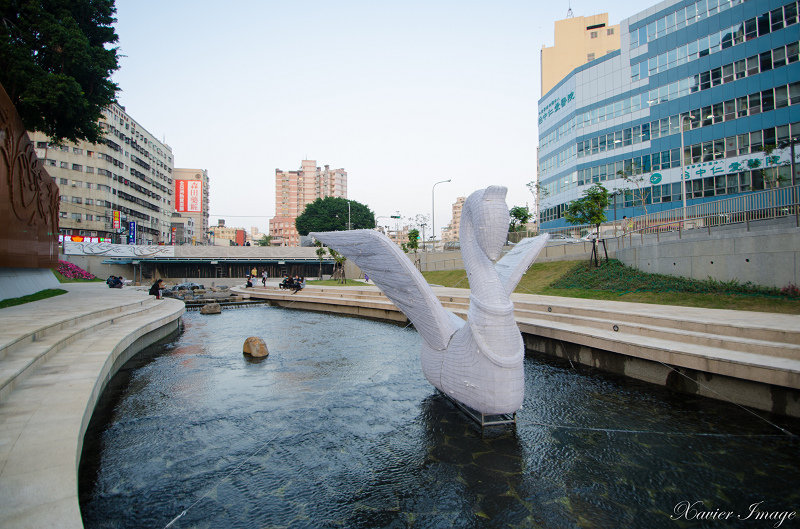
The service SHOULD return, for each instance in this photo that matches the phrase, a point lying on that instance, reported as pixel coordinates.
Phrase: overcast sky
(399, 94)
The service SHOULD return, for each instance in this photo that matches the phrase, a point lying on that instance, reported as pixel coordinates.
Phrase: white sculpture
(477, 362)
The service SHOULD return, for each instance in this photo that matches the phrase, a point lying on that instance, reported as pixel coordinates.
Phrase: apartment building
(192, 200)
(578, 40)
(720, 77)
(451, 232)
(118, 190)
(296, 189)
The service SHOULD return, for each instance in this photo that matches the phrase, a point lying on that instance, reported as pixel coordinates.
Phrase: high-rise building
(296, 189)
(122, 183)
(578, 40)
(191, 200)
(451, 232)
(723, 75)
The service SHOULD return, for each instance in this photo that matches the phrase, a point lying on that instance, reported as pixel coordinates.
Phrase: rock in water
(211, 308)
(255, 346)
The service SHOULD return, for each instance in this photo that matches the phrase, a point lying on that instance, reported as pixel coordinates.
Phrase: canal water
(338, 428)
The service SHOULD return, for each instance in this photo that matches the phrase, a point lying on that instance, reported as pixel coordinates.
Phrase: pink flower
(70, 271)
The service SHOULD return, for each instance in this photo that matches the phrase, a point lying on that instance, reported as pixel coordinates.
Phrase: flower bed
(70, 271)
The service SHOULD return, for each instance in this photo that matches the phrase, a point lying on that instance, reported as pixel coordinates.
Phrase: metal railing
(762, 205)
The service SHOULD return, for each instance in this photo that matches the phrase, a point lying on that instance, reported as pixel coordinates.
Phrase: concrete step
(748, 366)
(720, 341)
(730, 324)
(20, 334)
(35, 348)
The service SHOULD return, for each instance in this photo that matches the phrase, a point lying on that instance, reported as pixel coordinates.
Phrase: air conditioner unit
(74, 184)
(77, 220)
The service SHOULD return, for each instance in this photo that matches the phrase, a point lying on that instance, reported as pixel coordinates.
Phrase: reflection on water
(338, 428)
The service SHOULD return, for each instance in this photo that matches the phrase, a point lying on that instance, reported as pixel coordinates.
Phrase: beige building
(129, 172)
(296, 189)
(578, 40)
(450, 233)
(222, 235)
(192, 200)
(183, 230)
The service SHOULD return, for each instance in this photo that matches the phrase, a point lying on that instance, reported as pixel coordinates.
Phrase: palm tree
(321, 254)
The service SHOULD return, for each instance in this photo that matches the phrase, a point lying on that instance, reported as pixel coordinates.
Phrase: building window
(76, 216)
(64, 181)
(593, 34)
(51, 163)
(41, 144)
(77, 167)
(89, 169)
(64, 165)
(610, 31)
(590, 57)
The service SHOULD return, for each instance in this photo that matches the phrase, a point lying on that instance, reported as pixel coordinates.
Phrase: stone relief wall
(29, 198)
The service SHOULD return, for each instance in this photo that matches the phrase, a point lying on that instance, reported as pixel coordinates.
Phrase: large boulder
(255, 346)
(211, 308)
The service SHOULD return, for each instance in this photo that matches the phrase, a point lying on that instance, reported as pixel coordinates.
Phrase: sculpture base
(484, 420)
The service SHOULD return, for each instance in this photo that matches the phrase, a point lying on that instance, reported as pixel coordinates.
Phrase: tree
(539, 192)
(519, 217)
(413, 244)
(56, 64)
(266, 240)
(591, 209)
(321, 254)
(773, 177)
(331, 214)
(339, 259)
(632, 174)
(413, 239)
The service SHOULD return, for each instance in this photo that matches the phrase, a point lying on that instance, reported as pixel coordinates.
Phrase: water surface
(338, 428)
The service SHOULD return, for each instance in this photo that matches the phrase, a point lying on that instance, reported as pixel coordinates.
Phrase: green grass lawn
(42, 294)
(616, 282)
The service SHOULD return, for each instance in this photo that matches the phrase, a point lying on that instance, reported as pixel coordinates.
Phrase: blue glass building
(727, 70)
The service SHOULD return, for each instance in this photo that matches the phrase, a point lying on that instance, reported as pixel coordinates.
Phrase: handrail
(762, 205)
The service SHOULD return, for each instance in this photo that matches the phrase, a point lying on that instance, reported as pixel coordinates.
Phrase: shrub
(70, 271)
(791, 291)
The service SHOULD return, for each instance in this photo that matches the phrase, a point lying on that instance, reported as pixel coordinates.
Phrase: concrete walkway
(56, 356)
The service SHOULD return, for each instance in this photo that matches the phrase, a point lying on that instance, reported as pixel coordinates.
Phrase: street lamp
(615, 194)
(433, 211)
(683, 172)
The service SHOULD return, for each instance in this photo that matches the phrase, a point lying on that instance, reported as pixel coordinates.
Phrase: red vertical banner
(180, 196)
(188, 196)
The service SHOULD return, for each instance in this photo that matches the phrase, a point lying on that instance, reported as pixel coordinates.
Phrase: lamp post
(433, 211)
(615, 194)
(683, 171)
(349, 226)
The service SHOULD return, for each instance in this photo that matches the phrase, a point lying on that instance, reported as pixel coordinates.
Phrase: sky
(401, 95)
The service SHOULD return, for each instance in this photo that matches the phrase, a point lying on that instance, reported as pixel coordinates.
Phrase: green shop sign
(554, 106)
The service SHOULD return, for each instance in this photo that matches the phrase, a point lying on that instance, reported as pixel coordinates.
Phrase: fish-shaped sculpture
(478, 362)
